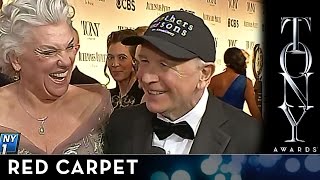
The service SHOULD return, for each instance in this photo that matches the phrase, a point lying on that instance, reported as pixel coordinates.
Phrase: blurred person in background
(77, 76)
(140, 30)
(37, 47)
(122, 65)
(4, 79)
(232, 86)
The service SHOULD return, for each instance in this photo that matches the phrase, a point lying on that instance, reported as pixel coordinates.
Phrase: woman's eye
(70, 47)
(48, 52)
(122, 57)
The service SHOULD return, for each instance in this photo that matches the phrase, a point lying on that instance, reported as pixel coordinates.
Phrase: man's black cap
(180, 35)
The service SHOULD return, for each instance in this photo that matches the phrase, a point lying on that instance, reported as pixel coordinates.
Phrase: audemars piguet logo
(89, 2)
(125, 27)
(157, 7)
(295, 48)
(212, 2)
(211, 18)
(92, 57)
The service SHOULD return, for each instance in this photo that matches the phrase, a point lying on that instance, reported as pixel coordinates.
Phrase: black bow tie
(164, 129)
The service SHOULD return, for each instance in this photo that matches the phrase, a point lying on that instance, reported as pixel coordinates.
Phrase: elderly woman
(38, 48)
(122, 65)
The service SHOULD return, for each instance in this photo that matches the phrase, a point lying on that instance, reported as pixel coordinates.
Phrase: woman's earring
(134, 64)
(16, 76)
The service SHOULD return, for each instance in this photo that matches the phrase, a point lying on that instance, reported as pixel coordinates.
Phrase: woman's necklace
(129, 85)
(42, 120)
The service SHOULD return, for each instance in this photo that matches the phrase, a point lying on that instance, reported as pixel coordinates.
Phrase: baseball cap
(180, 35)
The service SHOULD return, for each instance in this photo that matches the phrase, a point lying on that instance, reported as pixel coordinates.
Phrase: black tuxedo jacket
(78, 77)
(223, 129)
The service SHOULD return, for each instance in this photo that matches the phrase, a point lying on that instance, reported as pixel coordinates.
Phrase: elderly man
(179, 116)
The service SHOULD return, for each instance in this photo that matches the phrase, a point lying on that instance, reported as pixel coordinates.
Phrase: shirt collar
(193, 117)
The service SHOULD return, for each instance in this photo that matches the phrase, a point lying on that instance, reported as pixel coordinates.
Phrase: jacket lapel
(143, 132)
(210, 138)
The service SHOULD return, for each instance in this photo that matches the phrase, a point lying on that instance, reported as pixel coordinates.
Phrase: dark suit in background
(4, 80)
(78, 77)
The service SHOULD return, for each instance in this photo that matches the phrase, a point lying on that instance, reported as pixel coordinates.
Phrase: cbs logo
(233, 23)
(126, 4)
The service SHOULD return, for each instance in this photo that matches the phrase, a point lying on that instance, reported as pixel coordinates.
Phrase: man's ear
(207, 72)
(14, 60)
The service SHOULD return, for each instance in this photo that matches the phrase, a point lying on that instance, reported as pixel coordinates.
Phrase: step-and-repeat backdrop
(233, 23)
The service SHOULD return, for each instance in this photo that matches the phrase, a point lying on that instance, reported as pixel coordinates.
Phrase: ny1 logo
(126, 4)
(295, 48)
(9, 143)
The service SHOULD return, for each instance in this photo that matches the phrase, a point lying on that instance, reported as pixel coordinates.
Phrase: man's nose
(147, 76)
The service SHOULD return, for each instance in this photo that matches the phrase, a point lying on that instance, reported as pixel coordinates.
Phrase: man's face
(170, 86)
(47, 60)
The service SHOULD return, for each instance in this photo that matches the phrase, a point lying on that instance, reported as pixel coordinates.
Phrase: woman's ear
(14, 60)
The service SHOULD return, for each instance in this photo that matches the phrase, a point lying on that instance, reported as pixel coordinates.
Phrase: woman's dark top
(133, 97)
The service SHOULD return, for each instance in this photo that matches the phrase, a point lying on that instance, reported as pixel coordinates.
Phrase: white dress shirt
(174, 144)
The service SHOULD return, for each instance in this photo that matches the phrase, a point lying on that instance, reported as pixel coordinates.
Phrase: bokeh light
(209, 166)
(235, 167)
(219, 177)
(292, 165)
(180, 175)
(239, 159)
(236, 177)
(312, 163)
(253, 161)
(159, 175)
(268, 161)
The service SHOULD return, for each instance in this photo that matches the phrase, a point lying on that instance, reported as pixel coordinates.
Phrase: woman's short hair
(235, 59)
(118, 36)
(19, 16)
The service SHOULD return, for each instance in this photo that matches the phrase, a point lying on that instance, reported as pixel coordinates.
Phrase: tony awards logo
(294, 49)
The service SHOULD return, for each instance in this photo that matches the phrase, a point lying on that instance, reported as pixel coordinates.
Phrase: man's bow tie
(164, 129)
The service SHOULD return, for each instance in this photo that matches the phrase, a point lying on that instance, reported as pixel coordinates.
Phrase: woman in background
(122, 66)
(232, 85)
(37, 47)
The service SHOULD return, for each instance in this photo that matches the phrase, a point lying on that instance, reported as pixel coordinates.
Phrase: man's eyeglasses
(50, 52)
